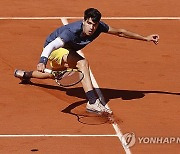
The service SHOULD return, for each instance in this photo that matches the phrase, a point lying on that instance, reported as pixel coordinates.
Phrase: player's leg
(55, 60)
(75, 60)
(94, 104)
(25, 76)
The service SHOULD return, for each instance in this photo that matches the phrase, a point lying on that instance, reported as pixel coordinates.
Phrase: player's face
(89, 27)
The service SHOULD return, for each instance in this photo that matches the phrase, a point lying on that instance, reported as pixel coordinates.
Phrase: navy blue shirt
(71, 35)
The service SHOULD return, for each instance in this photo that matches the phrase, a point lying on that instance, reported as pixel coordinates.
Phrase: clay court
(139, 80)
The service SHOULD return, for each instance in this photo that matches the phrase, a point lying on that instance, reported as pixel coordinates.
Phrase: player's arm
(55, 44)
(127, 34)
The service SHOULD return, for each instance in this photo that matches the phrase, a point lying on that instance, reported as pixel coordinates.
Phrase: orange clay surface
(140, 81)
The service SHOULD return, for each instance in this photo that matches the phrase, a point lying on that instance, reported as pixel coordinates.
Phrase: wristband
(43, 60)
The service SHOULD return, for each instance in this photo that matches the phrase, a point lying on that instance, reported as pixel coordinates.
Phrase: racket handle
(46, 70)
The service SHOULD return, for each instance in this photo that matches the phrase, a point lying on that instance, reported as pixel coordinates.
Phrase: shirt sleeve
(55, 44)
(103, 27)
(66, 36)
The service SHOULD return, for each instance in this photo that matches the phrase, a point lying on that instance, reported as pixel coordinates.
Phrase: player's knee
(82, 64)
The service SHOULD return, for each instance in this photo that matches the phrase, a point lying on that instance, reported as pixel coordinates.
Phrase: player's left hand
(154, 38)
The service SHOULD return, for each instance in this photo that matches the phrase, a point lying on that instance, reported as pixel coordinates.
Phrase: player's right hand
(41, 67)
(154, 38)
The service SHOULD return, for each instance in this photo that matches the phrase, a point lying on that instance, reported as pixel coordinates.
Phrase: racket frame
(46, 70)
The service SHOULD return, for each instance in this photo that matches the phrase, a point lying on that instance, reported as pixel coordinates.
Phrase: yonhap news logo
(130, 139)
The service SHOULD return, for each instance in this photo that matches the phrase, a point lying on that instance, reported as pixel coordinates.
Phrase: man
(62, 46)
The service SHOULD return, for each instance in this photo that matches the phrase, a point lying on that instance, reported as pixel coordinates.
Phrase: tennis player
(62, 47)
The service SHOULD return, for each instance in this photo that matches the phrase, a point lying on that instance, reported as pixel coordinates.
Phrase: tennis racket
(66, 78)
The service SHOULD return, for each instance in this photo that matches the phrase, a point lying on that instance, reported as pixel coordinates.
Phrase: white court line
(108, 18)
(119, 134)
(54, 135)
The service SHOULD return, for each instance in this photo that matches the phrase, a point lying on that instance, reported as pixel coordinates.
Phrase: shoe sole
(16, 75)
(23, 81)
(94, 111)
(98, 112)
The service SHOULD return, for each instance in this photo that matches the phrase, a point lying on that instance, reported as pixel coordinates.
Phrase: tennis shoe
(20, 74)
(97, 107)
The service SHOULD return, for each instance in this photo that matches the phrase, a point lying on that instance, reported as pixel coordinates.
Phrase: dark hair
(92, 13)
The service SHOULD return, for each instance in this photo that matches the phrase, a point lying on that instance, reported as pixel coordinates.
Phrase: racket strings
(69, 77)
